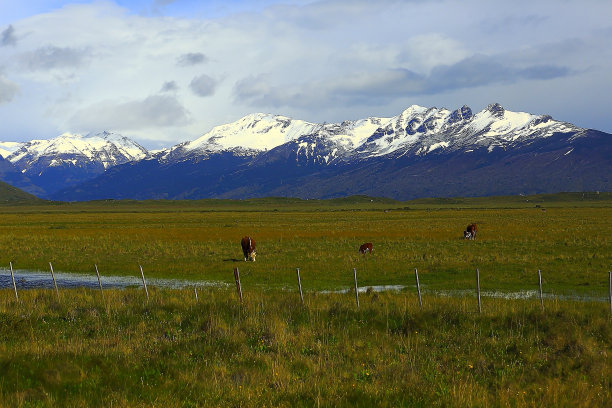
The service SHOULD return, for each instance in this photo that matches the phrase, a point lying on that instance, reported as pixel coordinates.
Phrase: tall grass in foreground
(271, 351)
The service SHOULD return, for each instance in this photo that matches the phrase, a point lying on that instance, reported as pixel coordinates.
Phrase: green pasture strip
(571, 245)
(352, 203)
(271, 351)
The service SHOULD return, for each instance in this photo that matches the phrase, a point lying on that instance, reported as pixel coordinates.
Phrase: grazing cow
(470, 232)
(248, 248)
(367, 247)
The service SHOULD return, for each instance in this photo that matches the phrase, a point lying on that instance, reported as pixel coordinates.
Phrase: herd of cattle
(248, 244)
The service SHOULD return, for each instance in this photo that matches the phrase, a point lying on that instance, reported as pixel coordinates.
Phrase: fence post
(195, 290)
(418, 286)
(610, 290)
(540, 286)
(356, 290)
(99, 281)
(13, 278)
(144, 283)
(478, 289)
(238, 286)
(300, 285)
(54, 282)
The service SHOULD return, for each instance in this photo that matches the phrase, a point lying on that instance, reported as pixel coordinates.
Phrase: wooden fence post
(238, 286)
(144, 283)
(297, 270)
(478, 289)
(418, 286)
(540, 286)
(54, 282)
(99, 282)
(13, 278)
(610, 290)
(356, 289)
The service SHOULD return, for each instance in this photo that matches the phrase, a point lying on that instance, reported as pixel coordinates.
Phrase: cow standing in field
(470, 232)
(248, 248)
(367, 247)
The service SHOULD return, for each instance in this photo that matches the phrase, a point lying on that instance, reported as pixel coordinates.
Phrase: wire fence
(86, 281)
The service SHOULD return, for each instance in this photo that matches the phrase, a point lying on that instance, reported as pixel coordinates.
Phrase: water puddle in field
(25, 279)
(521, 294)
(366, 289)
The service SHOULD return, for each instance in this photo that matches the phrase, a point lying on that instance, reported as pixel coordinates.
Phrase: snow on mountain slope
(416, 131)
(6, 148)
(252, 133)
(421, 131)
(336, 141)
(260, 132)
(106, 149)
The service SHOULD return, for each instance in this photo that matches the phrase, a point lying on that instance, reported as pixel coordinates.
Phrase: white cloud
(101, 66)
(8, 36)
(169, 86)
(385, 85)
(8, 90)
(203, 85)
(151, 112)
(191, 58)
(52, 57)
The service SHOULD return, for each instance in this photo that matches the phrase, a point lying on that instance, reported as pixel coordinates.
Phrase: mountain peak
(417, 129)
(253, 132)
(496, 110)
(414, 110)
(105, 148)
(261, 153)
(460, 114)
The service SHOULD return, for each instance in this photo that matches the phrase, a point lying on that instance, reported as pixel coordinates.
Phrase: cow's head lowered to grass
(367, 247)
(470, 232)
(248, 248)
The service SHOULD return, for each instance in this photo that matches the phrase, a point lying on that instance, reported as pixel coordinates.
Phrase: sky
(166, 71)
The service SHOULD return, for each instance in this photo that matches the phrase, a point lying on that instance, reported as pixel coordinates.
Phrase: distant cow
(470, 232)
(248, 248)
(367, 247)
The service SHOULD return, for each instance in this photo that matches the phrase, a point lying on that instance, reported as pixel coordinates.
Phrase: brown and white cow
(248, 248)
(470, 232)
(367, 247)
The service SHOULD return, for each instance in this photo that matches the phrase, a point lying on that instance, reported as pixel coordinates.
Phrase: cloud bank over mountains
(167, 71)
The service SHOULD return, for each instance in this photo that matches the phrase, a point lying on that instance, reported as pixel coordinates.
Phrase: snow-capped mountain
(106, 149)
(6, 148)
(70, 158)
(420, 152)
(421, 131)
(247, 136)
(416, 131)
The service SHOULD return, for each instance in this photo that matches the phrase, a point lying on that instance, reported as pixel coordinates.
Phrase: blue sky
(163, 71)
(15, 10)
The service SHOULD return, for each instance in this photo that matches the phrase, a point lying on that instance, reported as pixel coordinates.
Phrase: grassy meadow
(82, 351)
(569, 240)
(174, 351)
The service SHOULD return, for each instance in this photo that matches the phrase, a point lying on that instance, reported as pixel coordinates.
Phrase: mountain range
(419, 153)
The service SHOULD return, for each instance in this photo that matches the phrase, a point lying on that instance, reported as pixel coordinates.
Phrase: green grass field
(271, 351)
(567, 237)
(172, 351)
